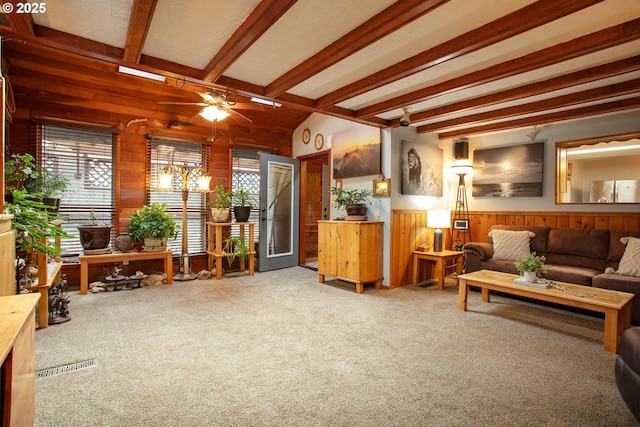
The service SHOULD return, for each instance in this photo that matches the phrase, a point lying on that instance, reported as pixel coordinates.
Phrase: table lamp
(438, 219)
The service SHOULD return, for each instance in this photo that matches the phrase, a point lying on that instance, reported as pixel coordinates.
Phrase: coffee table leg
(611, 331)
(463, 291)
(486, 294)
(615, 323)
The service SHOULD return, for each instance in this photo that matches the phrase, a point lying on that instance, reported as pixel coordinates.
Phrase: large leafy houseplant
(34, 223)
(152, 221)
(32, 219)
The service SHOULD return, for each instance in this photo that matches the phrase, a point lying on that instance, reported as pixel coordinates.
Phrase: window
(246, 174)
(187, 156)
(85, 158)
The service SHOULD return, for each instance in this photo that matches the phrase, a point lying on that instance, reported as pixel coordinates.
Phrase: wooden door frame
(303, 200)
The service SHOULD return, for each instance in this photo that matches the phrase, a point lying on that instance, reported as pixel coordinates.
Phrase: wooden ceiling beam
(518, 22)
(577, 98)
(543, 119)
(381, 25)
(545, 86)
(609, 37)
(139, 23)
(21, 23)
(260, 20)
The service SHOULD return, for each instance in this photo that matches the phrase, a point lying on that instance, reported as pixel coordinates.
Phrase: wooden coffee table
(615, 305)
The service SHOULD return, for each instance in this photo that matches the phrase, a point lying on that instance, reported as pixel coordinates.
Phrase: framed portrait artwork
(381, 188)
(421, 169)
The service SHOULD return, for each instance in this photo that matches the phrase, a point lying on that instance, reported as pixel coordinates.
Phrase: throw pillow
(630, 261)
(511, 245)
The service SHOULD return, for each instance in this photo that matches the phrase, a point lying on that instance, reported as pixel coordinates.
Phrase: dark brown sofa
(582, 256)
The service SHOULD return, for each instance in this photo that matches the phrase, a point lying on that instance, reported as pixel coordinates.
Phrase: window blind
(85, 158)
(187, 156)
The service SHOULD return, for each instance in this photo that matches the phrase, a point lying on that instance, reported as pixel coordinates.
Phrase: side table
(214, 249)
(440, 260)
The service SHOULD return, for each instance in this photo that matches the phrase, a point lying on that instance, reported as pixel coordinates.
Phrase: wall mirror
(599, 170)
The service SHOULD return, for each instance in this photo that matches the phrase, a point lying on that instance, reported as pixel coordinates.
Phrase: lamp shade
(165, 181)
(203, 183)
(437, 218)
(462, 167)
(212, 113)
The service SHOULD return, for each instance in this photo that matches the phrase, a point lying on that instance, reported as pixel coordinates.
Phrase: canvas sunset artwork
(514, 171)
(356, 152)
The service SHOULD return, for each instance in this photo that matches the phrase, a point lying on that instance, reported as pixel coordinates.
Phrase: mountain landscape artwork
(356, 152)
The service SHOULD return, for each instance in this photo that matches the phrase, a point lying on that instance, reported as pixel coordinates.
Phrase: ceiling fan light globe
(212, 113)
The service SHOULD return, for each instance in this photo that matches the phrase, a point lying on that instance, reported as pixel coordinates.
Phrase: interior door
(279, 212)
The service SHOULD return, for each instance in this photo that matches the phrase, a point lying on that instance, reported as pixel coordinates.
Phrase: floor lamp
(165, 183)
(461, 225)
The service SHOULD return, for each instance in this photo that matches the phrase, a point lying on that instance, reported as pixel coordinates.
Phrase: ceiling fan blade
(202, 104)
(207, 97)
(231, 110)
(248, 106)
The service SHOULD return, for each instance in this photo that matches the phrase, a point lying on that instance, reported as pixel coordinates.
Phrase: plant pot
(242, 213)
(359, 209)
(220, 214)
(530, 276)
(153, 244)
(52, 203)
(94, 236)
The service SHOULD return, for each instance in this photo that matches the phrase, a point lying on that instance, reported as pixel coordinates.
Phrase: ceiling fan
(219, 105)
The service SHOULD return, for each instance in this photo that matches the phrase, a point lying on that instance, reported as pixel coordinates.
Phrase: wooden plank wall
(409, 230)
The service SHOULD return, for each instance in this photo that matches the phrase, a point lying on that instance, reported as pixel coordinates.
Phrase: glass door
(279, 212)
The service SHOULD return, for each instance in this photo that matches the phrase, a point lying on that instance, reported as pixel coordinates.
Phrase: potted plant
(530, 265)
(51, 186)
(235, 247)
(94, 237)
(220, 207)
(32, 220)
(153, 226)
(352, 201)
(243, 201)
(33, 223)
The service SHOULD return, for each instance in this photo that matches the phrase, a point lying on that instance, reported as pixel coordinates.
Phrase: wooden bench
(85, 260)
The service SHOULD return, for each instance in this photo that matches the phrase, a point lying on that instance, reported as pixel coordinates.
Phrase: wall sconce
(438, 219)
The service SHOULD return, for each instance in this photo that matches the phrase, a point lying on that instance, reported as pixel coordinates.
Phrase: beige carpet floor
(281, 349)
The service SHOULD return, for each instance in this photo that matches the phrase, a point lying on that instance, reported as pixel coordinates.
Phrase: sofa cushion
(578, 247)
(510, 245)
(616, 247)
(564, 273)
(630, 262)
(538, 243)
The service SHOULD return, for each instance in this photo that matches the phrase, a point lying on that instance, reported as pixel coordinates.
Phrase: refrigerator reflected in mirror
(620, 191)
